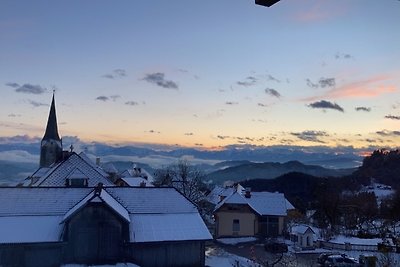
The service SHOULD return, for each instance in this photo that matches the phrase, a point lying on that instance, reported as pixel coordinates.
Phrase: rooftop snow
(58, 173)
(264, 203)
(30, 229)
(168, 227)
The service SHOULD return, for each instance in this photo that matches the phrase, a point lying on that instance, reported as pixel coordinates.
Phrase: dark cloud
(272, 78)
(322, 83)
(131, 103)
(388, 133)
(189, 134)
(158, 78)
(311, 136)
(117, 73)
(198, 144)
(392, 117)
(27, 88)
(231, 103)
(272, 92)
(363, 109)
(327, 82)
(154, 132)
(13, 85)
(311, 84)
(102, 98)
(37, 104)
(326, 105)
(12, 115)
(249, 81)
(108, 76)
(343, 56)
(262, 105)
(223, 137)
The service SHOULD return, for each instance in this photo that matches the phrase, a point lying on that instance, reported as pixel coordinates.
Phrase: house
(303, 236)
(135, 176)
(251, 214)
(50, 226)
(73, 170)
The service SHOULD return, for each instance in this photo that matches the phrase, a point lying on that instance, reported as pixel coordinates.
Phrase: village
(73, 212)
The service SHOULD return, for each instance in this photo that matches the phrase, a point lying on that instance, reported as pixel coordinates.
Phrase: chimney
(247, 194)
(98, 161)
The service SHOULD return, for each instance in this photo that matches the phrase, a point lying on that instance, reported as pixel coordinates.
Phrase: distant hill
(383, 166)
(270, 170)
(299, 188)
(12, 173)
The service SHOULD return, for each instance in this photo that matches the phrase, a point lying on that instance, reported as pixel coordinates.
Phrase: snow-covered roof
(58, 173)
(44, 210)
(103, 197)
(263, 203)
(136, 181)
(152, 199)
(301, 229)
(30, 229)
(136, 172)
(168, 227)
(215, 195)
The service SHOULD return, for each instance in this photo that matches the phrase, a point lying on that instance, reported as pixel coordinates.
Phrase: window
(76, 182)
(236, 225)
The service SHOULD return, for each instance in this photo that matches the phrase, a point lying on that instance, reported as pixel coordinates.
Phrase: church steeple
(51, 145)
(52, 129)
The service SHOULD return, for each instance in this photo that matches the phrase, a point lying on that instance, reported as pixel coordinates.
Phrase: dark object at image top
(267, 3)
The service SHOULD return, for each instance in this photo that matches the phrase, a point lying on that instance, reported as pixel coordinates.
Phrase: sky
(203, 74)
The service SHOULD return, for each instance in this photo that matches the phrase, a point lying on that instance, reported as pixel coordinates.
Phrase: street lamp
(267, 3)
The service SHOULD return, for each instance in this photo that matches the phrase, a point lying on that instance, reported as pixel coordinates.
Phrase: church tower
(51, 145)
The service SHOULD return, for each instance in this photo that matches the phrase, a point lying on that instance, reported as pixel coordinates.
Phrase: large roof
(263, 203)
(38, 213)
(74, 165)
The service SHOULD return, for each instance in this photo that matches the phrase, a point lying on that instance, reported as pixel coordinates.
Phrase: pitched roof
(168, 227)
(301, 229)
(149, 211)
(52, 128)
(73, 165)
(263, 203)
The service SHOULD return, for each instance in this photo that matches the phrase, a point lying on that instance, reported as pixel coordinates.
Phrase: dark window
(236, 225)
(77, 182)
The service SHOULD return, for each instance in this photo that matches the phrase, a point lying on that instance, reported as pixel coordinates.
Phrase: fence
(348, 246)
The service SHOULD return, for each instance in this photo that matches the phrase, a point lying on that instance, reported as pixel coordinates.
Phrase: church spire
(51, 145)
(52, 129)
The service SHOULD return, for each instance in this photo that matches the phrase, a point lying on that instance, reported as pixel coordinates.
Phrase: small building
(51, 226)
(303, 236)
(251, 214)
(135, 176)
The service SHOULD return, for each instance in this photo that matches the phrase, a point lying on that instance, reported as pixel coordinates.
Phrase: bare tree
(186, 178)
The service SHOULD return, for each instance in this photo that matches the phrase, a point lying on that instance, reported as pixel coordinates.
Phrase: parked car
(274, 246)
(322, 257)
(340, 261)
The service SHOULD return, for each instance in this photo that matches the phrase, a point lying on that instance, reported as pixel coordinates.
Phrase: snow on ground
(217, 257)
(340, 239)
(236, 240)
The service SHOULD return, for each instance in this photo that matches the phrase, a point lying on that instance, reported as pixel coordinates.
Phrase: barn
(148, 226)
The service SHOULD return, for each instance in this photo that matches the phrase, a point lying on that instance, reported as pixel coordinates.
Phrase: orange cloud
(360, 89)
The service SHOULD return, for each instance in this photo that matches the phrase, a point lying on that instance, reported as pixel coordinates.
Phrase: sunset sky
(203, 73)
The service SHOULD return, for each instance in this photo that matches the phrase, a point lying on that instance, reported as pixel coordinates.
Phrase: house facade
(50, 226)
(251, 214)
(302, 236)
